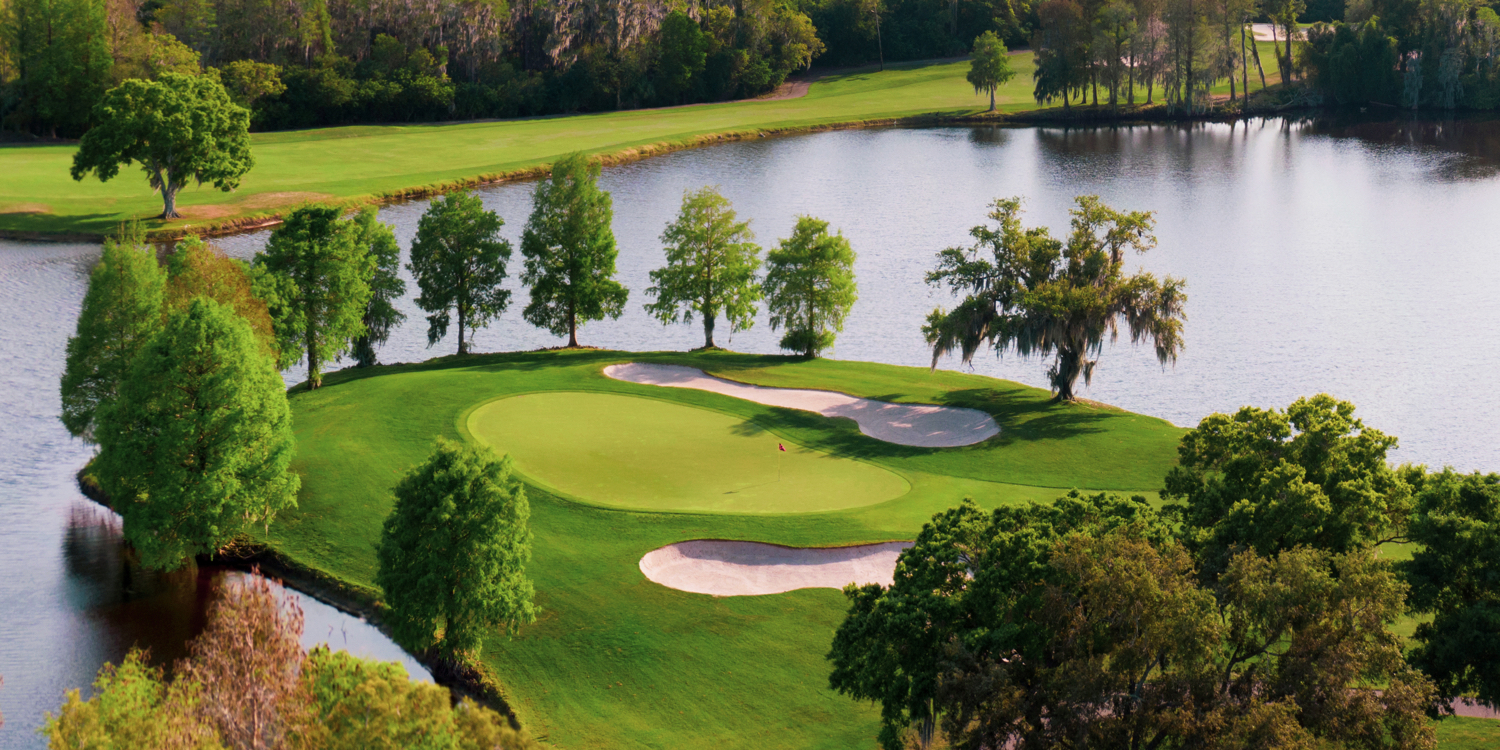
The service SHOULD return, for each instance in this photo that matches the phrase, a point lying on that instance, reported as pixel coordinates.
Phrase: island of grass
(618, 469)
(616, 661)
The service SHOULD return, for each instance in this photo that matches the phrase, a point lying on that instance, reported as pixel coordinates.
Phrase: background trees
(178, 128)
(121, 312)
(199, 442)
(711, 265)
(1037, 295)
(570, 251)
(315, 277)
(458, 259)
(809, 286)
(460, 504)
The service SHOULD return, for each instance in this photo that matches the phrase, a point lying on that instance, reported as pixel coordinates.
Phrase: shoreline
(1081, 115)
(248, 556)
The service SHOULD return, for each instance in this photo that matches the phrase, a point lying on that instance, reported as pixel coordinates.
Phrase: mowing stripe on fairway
(623, 451)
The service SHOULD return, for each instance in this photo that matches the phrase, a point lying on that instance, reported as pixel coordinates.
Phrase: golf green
(624, 451)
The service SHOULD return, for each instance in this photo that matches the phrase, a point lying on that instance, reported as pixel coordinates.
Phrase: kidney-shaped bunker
(726, 568)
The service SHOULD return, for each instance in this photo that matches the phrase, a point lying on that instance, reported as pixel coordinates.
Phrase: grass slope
(616, 661)
(647, 454)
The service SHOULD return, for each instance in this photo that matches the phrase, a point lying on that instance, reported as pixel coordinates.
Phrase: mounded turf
(616, 661)
(649, 454)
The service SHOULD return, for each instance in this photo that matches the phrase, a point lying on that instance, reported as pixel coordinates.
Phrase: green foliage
(570, 251)
(178, 128)
(1455, 577)
(1268, 481)
(1353, 64)
(711, 265)
(197, 270)
(458, 259)
(134, 708)
(1037, 295)
(199, 442)
(809, 286)
(247, 81)
(315, 276)
(684, 52)
(386, 285)
(59, 58)
(121, 312)
(461, 504)
(989, 65)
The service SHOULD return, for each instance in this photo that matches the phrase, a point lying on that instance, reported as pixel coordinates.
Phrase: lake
(1354, 257)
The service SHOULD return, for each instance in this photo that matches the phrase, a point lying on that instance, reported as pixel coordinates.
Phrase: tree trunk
(463, 347)
(1244, 66)
(572, 326)
(708, 329)
(169, 201)
(1255, 50)
(1069, 366)
(314, 371)
(1291, 31)
(992, 98)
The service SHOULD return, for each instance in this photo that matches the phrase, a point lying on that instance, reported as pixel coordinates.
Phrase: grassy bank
(364, 163)
(617, 661)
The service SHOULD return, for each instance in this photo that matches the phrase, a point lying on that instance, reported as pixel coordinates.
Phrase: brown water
(1354, 257)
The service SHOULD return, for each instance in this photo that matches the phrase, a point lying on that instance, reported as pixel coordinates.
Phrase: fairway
(640, 453)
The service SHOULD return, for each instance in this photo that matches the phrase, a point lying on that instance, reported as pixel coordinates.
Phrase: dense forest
(307, 63)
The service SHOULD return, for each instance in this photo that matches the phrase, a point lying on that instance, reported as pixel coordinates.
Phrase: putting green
(633, 452)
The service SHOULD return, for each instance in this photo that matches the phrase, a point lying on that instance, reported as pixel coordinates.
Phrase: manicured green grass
(647, 454)
(364, 161)
(1460, 733)
(616, 661)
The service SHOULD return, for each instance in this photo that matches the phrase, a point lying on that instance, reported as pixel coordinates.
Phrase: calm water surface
(1356, 258)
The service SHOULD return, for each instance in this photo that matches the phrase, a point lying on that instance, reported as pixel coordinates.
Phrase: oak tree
(570, 251)
(711, 267)
(458, 260)
(178, 128)
(453, 552)
(1036, 295)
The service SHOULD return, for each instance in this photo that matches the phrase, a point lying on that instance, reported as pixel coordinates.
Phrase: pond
(1354, 257)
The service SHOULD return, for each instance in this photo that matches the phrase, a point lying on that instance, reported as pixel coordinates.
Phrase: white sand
(923, 425)
(724, 568)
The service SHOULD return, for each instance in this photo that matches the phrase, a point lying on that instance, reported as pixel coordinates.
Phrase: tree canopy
(989, 65)
(458, 259)
(195, 269)
(809, 286)
(460, 504)
(570, 251)
(1037, 295)
(199, 443)
(121, 312)
(315, 278)
(386, 285)
(711, 267)
(178, 128)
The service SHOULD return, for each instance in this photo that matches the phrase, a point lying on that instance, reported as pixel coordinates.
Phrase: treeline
(308, 63)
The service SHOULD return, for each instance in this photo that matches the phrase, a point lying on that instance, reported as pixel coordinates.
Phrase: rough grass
(616, 661)
(365, 162)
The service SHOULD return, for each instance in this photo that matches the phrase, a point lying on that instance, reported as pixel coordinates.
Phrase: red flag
(781, 447)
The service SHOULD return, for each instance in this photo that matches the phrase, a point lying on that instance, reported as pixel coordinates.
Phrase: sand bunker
(724, 568)
(923, 425)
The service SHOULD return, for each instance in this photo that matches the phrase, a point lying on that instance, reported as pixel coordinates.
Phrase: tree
(199, 442)
(133, 706)
(247, 667)
(1039, 296)
(809, 286)
(711, 265)
(315, 277)
(386, 286)
(989, 65)
(178, 128)
(570, 251)
(683, 54)
(1265, 480)
(248, 81)
(458, 259)
(460, 504)
(197, 270)
(59, 58)
(121, 312)
(1455, 578)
